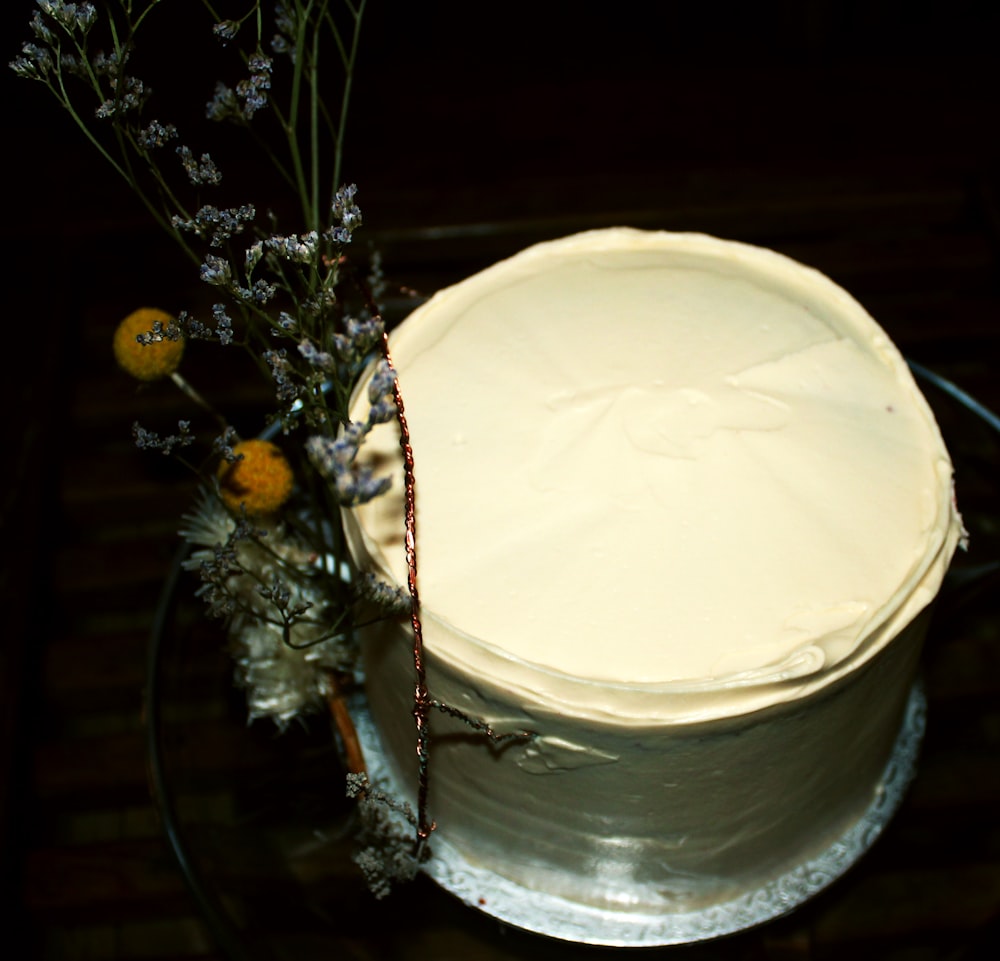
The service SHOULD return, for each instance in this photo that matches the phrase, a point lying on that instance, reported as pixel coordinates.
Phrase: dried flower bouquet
(265, 532)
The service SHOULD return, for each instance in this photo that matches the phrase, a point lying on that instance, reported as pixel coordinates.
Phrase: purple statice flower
(218, 224)
(216, 270)
(156, 134)
(202, 171)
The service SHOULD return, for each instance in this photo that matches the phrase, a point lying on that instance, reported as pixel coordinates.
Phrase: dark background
(859, 137)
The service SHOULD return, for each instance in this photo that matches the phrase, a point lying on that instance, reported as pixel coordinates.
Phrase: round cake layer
(681, 511)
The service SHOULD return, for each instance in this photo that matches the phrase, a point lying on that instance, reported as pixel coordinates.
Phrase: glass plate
(262, 831)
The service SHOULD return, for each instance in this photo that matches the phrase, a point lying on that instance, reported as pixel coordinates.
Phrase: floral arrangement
(265, 532)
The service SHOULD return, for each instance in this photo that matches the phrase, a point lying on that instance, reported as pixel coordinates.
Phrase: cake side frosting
(660, 818)
(660, 476)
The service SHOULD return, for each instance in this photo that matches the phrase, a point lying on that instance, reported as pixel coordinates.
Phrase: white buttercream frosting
(662, 462)
(671, 491)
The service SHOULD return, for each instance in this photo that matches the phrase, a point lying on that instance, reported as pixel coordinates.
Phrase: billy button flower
(146, 346)
(261, 478)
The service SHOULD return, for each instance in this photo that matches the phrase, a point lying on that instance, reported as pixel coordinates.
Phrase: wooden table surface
(858, 138)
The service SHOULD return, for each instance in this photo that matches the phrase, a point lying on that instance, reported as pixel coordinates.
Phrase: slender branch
(354, 758)
(196, 396)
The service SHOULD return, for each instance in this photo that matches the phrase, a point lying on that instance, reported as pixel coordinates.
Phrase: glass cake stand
(262, 830)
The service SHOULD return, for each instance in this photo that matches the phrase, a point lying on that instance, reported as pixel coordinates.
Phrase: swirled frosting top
(691, 471)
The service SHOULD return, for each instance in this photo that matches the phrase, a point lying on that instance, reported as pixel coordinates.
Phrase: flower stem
(191, 392)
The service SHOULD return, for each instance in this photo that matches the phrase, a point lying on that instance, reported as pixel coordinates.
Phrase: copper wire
(421, 697)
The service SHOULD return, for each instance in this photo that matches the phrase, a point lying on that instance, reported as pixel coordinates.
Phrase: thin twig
(353, 755)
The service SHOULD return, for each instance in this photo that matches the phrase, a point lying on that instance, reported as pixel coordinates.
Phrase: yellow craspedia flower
(262, 479)
(146, 361)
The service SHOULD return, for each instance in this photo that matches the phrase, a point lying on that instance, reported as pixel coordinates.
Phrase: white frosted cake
(680, 507)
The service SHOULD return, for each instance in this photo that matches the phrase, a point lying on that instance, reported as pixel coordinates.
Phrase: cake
(681, 513)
